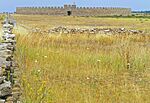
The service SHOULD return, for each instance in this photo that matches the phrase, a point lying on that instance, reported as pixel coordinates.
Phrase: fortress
(73, 10)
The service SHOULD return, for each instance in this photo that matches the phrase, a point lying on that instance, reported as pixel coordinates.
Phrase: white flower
(98, 60)
(39, 70)
(45, 56)
(35, 61)
(87, 78)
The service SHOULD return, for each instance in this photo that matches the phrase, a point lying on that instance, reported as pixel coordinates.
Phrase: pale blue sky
(10, 5)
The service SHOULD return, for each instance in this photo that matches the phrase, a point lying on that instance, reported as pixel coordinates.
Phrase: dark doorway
(69, 13)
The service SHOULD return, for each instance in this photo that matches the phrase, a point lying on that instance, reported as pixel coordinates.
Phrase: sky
(10, 5)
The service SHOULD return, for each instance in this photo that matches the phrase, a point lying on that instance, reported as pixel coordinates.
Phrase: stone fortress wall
(73, 10)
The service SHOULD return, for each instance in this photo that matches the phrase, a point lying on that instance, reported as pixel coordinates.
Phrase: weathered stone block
(7, 26)
(5, 46)
(2, 101)
(10, 41)
(2, 79)
(6, 52)
(5, 89)
(4, 63)
(7, 57)
(8, 36)
(7, 31)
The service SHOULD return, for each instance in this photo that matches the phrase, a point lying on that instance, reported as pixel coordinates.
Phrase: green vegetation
(80, 68)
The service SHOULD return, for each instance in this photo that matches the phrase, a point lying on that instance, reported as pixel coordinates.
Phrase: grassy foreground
(81, 69)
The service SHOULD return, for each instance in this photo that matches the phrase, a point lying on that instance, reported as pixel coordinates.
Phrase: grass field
(83, 69)
(46, 22)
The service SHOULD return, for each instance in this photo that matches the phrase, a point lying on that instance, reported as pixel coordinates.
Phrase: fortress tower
(69, 9)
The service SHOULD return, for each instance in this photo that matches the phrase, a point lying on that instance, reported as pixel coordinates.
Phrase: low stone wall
(87, 31)
(9, 83)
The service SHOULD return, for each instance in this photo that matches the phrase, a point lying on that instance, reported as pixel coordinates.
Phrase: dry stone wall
(74, 11)
(9, 84)
(87, 31)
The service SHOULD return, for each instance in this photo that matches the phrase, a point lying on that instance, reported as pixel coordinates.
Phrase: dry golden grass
(47, 22)
(82, 69)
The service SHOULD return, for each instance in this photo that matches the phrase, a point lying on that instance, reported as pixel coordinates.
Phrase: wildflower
(98, 60)
(39, 70)
(87, 78)
(35, 61)
(45, 56)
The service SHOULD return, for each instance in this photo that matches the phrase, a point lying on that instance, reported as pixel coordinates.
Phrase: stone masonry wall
(9, 81)
(75, 11)
(41, 11)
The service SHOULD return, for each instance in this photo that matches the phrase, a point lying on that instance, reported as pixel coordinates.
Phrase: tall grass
(82, 69)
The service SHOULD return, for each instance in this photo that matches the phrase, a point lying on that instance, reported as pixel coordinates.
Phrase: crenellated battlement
(75, 11)
(60, 7)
